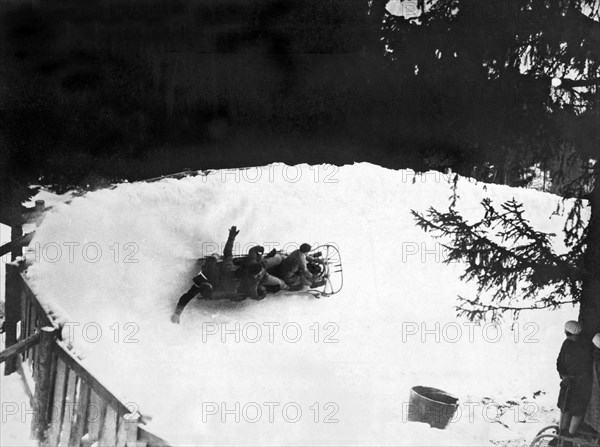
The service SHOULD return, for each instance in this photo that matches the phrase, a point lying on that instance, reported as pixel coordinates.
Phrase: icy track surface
(340, 372)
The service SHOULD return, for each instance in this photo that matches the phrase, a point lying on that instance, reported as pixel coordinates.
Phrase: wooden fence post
(81, 417)
(70, 409)
(13, 313)
(57, 398)
(43, 381)
(16, 231)
(127, 431)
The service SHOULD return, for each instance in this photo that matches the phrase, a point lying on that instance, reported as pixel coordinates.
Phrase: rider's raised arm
(228, 250)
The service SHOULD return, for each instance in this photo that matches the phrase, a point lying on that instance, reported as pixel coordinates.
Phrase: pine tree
(545, 57)
(515, 266)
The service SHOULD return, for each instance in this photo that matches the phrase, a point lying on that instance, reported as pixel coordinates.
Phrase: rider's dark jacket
(226, 278)
(574, 364)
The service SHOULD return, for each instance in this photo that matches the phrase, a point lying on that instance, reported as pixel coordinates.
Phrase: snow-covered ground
(294, 370)
(17, 414)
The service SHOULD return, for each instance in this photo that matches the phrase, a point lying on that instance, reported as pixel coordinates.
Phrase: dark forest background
(134, 89)
(98, 91)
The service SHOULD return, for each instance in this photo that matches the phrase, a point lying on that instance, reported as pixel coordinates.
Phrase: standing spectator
(592, 416)
(574, 364)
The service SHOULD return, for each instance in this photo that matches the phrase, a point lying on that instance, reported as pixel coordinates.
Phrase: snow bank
(302, 371)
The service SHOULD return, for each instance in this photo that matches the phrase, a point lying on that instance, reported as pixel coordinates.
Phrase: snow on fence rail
(71, 407)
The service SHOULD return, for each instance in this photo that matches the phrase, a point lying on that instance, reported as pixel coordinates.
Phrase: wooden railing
(12, 246)
(71, 407)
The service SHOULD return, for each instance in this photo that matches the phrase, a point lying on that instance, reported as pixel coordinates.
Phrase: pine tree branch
(520, 272)
(501, 308)
(479, 240)
(480, 311)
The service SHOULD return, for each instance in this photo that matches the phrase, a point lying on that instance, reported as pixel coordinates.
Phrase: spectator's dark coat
(574, 364)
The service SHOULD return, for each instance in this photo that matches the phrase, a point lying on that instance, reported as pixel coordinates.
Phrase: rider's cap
(305, 248)
(573, 327)
(257, 248)
(596, 340)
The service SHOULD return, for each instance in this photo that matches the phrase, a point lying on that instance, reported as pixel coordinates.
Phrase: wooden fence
(71, 407)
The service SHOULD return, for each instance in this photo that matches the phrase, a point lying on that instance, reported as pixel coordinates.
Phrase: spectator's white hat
(573, 327)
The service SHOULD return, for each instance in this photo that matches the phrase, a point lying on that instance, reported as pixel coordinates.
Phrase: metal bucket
(432, 406)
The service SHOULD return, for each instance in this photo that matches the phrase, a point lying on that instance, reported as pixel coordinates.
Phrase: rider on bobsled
(216, 280)
(251, 279)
